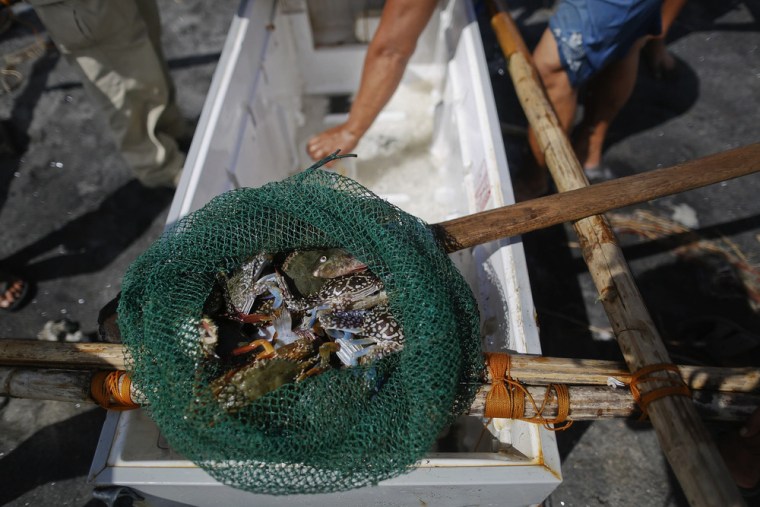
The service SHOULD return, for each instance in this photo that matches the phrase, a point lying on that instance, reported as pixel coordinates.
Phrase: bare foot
(336, 138)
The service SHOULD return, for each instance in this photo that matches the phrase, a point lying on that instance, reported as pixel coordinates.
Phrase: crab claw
(283, 328)
(325, 350)
(314, 314)
(350, 349)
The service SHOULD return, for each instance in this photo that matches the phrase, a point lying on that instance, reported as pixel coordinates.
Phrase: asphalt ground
(73, 219)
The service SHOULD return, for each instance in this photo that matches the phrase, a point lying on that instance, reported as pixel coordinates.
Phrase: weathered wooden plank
(48, 384)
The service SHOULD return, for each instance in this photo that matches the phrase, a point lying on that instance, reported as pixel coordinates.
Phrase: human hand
(337, 138)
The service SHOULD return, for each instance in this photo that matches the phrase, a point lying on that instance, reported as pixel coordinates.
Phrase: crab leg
(268, 349)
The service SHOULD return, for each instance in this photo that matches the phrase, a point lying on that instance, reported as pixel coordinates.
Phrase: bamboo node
(675, 385)
(506, 399)
(112, 390)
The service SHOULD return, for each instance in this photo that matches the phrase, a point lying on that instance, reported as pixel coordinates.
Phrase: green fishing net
(341, 429)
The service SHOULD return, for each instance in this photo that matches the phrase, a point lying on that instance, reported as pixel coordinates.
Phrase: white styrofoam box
(260, 110)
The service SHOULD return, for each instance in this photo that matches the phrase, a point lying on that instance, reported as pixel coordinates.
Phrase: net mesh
(341, 429)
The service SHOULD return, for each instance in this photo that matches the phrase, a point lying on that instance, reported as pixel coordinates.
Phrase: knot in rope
(674, 385)
(506, 399)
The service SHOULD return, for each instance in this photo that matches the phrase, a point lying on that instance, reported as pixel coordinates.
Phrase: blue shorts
(592, 33)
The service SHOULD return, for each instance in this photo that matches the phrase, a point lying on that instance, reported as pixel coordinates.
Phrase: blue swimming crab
(363, 335)
(309, 270)
(352, 310)
(240, 289)
(297, 313)
(355, 290)
(271, 368)
(249, 295)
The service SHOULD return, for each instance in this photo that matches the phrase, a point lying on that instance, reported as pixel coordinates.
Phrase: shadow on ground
(55, 453)
(92, 241)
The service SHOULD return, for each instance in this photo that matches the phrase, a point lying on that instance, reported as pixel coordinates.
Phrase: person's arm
(401, 24)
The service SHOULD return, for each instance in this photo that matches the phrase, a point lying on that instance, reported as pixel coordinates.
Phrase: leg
(562, 95)
(656, 54)
(670, 10)
(171, 122)
(564, 99)
(110, 45)
(607, 93)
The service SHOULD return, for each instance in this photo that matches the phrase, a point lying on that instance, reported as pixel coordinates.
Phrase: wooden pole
(46, 384)
(527, 216)
(687, 445)
(586, 402)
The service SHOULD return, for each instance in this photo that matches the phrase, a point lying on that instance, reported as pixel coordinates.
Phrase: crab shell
(252, 382)
(340, 293)
(289, 363)
(309, 270)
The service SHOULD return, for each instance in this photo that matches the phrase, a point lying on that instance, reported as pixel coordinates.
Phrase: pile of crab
(283, 318)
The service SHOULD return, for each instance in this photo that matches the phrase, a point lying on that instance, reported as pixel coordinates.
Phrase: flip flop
(13, 292)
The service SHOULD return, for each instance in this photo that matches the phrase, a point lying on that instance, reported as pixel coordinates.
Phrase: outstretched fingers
(331, 140)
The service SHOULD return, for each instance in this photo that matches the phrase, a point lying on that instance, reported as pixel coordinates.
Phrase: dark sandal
(13, 292)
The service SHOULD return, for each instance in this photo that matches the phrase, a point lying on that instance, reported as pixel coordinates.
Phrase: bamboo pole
(691, 453)
(586, 402)
(524, 367)
(529, 368)
(103, 356)
(597, 402)
(554, 370)
(527, 216)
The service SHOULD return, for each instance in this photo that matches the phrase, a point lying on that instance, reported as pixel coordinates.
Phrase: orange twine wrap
(111, 390)
(676, 386)
(506, 399)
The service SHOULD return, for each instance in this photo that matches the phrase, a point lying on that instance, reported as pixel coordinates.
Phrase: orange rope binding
(111, 390)
(506, 399)
(676, 386)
